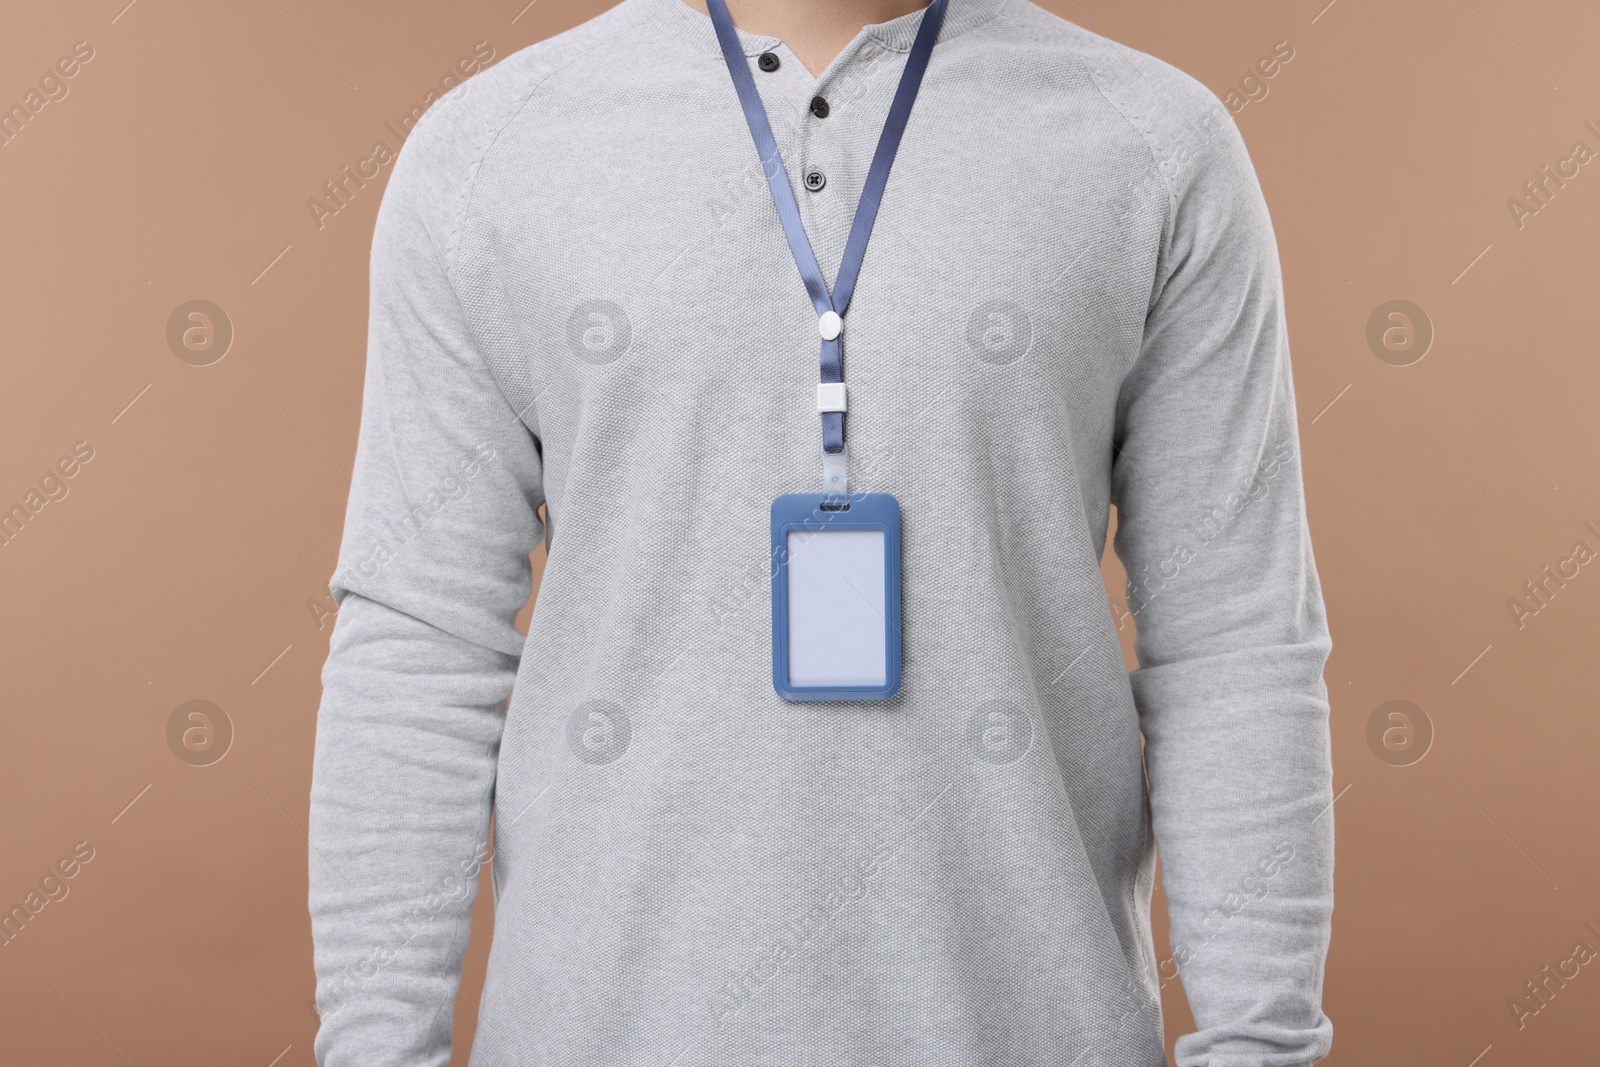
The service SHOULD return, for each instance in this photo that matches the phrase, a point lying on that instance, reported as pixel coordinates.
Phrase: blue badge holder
(836, 596)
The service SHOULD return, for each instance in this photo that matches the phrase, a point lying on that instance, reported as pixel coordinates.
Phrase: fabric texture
(581, 299)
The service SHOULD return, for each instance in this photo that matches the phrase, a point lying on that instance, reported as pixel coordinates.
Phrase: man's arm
(433, 569)
(1231, 633)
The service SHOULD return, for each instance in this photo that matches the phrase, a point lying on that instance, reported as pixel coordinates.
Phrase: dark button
(819, 107)
(815, 180)
(768, 61)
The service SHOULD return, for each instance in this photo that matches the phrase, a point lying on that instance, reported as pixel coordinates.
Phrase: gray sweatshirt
(582, 299)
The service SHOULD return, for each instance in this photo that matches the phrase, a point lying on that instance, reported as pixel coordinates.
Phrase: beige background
(188, 558)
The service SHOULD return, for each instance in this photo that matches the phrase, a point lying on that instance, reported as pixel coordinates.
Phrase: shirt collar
(695, 27)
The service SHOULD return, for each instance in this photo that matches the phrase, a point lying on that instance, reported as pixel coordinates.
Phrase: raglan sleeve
(433, 567)
(1231, 632)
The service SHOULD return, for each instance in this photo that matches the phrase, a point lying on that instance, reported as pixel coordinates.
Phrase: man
(590, 294)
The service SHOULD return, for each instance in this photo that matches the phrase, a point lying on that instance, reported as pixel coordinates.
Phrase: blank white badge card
(838, 630)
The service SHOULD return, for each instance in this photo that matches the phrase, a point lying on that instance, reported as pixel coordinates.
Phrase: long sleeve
(433, 567)
(1231, 633)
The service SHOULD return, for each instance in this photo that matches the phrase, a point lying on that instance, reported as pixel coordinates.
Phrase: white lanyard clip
(836, 472)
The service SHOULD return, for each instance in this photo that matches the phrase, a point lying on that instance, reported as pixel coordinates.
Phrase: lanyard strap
(830, 306)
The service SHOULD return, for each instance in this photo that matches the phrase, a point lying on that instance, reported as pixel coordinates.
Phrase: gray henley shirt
(581, 298)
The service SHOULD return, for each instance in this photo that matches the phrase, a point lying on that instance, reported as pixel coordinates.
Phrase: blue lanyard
(830, 307)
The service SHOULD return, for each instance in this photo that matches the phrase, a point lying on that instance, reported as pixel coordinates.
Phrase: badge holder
(836, 596)
(835, 554)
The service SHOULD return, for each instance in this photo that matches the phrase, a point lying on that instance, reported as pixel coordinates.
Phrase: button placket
(779, 79)
(777, 74)
(828, 141)
(811, 173)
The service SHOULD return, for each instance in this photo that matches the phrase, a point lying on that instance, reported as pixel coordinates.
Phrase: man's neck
(815, 30)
